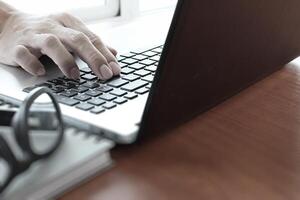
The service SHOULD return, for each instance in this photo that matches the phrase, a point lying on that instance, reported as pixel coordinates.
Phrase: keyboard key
(123, 65)
(134, 85)
(97, 110)
(136, 66)
(151, 68)
(118, 92)
(155, 58)
(117, 82)
(84, 106)
(93, 93)
(119, 57)
(149, 53)
(149, 86)
(157, 50)
(82, 97)
(130, 77)
(67, 101)
(107, 97)
(76, 82)
(57, 81)
(139, 51)
(139, 57)
(129, 61)
(64, 78)
(130, 96)
(148, 78)
(96, 102)
(81, 81)
(58, 89)
(69, 85)
(79, 89)
(86, 70)
(68, 93)
(120, 100)
(142, 91)
(89, 77)
(142, 72)
(127, 70)
(91, 85)
(105, 88)
(147, 62)
(109, 105)
(127, 55)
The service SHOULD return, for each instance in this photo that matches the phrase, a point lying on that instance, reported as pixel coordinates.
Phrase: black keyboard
(93, 95)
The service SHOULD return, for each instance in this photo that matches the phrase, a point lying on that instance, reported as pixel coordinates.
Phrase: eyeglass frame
(19, 124)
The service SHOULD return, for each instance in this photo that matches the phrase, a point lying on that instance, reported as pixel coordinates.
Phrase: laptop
(214, 49)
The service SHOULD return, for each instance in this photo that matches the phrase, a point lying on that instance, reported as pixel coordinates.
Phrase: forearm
(5, 11)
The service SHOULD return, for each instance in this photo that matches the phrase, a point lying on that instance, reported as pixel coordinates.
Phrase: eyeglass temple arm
(6, 116)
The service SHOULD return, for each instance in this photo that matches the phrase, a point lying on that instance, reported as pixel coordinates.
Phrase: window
(147, 5)
(87, 10)
(132, 8)
(90, 10)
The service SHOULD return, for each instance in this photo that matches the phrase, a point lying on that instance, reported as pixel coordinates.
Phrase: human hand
(25, 38)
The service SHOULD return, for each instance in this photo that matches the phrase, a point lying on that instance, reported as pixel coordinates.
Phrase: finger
(67, 20)
(112, 50)
(51, 46)
(28, 61)
(82, 46)
(107, 53)
(72, 22)
(96, 41)
(36, 52)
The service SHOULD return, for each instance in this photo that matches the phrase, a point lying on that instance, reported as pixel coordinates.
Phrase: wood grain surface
(246, 148)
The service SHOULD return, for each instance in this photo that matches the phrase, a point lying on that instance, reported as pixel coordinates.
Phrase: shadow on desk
(246, 148)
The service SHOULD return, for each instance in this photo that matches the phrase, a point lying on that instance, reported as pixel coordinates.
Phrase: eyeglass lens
(43, 125)
(4, 171)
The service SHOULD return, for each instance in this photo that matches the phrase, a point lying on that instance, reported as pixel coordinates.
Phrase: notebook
(80, 157)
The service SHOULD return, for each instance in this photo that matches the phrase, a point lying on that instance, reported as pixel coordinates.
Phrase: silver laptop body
(119, 123)
(220, 50)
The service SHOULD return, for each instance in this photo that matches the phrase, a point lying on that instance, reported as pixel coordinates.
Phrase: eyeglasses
(37, 132)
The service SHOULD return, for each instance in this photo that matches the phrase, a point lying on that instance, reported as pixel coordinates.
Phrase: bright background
(89, 10)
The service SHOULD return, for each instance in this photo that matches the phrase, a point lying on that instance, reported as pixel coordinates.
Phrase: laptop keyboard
(96, 96)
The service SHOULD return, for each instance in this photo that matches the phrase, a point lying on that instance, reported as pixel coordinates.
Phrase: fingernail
(105, 72)
(74, 73)
(41, 72)
(116, 69)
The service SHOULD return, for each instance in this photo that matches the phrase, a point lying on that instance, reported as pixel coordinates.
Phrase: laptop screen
(214, 50)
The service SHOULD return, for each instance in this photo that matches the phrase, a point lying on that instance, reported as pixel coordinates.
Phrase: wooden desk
(246, 148)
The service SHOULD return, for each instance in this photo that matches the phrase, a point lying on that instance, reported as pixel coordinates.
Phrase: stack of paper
(79, 158)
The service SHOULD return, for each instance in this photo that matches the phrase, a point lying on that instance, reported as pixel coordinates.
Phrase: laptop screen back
(214, 50)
